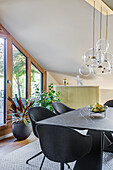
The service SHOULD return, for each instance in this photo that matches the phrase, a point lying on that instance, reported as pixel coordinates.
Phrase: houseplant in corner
(21, 127)
(46, 98)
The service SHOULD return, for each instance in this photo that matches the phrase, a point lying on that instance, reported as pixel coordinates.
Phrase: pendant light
(89, 58)
(103, 45)
(98, 60)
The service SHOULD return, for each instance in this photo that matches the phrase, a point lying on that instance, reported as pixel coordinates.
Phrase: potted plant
(21, 127)
(46, 98)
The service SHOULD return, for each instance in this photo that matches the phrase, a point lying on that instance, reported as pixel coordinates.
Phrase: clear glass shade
(108, 57)
(103, 67)
(89, 57)
(101, 70)
(93, 57)
(97, 60)
(100, 58)
(85, 70)
(102, 45)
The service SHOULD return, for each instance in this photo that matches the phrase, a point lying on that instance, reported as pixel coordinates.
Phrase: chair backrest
(63, 144)
(37, 114)
(61, 108)
(109, 103)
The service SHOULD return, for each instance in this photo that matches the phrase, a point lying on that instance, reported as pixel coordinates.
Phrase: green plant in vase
(46, 98)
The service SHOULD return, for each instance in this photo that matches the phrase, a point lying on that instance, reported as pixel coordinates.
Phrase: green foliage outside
(19, 69)
(19, 72)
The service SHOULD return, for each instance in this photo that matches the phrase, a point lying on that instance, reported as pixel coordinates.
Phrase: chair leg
(110, 143)
(68, 165)
(33, 157)
(42, 163)
(61, 166)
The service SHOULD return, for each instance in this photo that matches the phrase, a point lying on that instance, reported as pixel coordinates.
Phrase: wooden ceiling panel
(107, 6)
(109, 3)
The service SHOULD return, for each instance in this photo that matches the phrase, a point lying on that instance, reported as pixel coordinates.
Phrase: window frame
(5, 79)
(7, 127)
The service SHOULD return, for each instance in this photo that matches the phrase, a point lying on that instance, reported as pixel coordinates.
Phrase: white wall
(50, 79)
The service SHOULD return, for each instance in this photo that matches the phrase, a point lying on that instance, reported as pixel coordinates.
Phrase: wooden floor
(10, 144)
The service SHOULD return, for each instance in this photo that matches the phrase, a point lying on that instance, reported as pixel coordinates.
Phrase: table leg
(93, 160)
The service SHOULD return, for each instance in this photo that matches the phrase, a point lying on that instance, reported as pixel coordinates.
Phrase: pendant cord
(93, 27)
(101, 24)
(106, 25)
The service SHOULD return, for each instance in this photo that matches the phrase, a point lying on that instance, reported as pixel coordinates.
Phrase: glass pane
(35, 79)
(2, 80)
(19, 75)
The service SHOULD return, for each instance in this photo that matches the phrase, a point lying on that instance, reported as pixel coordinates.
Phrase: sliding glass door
(2, 81)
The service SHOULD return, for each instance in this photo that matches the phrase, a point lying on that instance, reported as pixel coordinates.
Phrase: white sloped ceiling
(55, 32)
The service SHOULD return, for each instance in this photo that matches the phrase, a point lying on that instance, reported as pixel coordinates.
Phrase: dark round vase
(20, 130)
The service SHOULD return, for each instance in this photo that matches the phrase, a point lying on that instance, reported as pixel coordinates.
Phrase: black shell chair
(37, 114)
(62, 144)
(108, 141)
(61, 108)
(109, 103)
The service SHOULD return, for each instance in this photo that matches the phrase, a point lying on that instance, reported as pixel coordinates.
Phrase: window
(14, 62)
(36, 79)
(19, 75)
(2, 81)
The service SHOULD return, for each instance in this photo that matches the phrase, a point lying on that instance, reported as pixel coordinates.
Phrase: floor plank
(10, 144)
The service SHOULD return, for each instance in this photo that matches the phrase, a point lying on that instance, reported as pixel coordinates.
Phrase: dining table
(97, 126)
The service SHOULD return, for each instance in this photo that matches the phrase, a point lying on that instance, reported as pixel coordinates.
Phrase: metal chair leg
(61, 166)
(68, 166)
(42, 163)
(110, 143)
(33, 157)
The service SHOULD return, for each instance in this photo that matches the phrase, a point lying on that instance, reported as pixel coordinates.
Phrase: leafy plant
(19, 112)
(46, 98)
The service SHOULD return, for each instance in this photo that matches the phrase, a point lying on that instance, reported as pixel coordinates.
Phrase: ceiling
(109, 3)
(55, 32)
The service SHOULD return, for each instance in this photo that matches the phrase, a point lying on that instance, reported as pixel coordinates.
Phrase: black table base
(93, 160)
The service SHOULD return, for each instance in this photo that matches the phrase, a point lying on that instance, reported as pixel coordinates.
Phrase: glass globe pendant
(102, 45)
(108, 57)
(90, 57)
(98, 60)
(85, 70)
